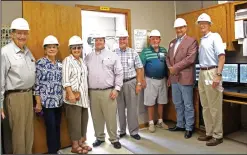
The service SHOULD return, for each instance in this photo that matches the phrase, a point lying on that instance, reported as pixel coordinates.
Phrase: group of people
(109, 82)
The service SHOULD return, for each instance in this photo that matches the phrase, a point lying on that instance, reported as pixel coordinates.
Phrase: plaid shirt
(130, 61)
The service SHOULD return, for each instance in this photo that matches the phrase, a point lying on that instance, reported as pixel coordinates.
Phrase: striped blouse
(75, 75)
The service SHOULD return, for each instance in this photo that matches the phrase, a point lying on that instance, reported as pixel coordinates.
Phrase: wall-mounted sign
(104, 8)
(140, 39)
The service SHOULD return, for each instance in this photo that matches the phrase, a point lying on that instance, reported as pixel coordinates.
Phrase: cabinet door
(218, 16)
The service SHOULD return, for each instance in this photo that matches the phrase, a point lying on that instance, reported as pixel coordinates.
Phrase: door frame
(126, 12)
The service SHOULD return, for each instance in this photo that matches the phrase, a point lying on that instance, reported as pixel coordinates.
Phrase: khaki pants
(211, 100)
(20, 112)
(77, 118)
(104, 110)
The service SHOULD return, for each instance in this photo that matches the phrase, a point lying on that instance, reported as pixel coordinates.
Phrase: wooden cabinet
(222, 16)
(233, 7)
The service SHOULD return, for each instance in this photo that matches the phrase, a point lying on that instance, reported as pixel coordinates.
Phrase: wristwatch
(219, 74)
(139, 83)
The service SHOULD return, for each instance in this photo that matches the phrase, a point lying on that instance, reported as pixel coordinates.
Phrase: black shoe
(176, 129)
(136, 136)
(122, 135)
(116, 145)
(187, 134)
(97, 143)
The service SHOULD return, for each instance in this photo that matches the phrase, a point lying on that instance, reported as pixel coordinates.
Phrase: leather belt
(18, 91)
(126, 80)
(208, 68)
(101, 88)
(155, 78)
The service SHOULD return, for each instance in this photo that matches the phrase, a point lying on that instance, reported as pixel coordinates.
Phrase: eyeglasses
(76, 47)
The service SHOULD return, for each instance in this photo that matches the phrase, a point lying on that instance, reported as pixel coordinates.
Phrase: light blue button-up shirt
(211, 46)
(179, 40)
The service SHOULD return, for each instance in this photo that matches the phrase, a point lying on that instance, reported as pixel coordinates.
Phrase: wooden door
(49, 19)
(63, 22)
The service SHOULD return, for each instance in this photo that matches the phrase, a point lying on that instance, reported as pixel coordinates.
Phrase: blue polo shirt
(211, 46)
(154, 62)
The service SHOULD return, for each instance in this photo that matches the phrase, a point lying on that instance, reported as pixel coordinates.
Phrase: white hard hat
(154, 33)
(19, 24)
(179, 22)
(99, 35)
(204, 17)
(75, 40)
(122, 33)
(50, 40)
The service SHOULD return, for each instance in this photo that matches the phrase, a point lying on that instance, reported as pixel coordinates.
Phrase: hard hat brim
(197, 22)
(179, 26)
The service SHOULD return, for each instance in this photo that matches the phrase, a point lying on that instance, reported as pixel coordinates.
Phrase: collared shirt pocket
(108, 63)
(130, 63)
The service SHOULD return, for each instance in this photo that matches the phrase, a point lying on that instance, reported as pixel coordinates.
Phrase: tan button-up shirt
(17, 68)
(104, 70)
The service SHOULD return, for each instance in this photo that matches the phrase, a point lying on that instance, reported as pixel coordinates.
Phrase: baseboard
(144, 125)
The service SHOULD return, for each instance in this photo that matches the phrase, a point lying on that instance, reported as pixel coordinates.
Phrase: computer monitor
(243, 73)
(230, 73)
(197, 71)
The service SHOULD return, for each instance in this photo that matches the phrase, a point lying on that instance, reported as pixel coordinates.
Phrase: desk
(235, 95)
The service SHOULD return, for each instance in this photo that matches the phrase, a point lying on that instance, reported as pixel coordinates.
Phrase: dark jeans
(52, 117)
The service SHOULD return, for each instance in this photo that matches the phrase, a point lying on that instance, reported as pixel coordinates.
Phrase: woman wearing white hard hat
(211, 60)
(76, 95)
(48, 92)
(17, 79)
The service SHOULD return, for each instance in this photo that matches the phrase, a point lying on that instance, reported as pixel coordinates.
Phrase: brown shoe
(214, 142)
(204, 138)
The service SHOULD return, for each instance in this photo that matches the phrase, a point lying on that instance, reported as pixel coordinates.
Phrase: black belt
(126, 80)
(18, 91)
(101, 88)
(155, 78)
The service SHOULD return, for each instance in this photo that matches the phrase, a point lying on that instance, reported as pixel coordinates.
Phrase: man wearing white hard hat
(75, 95)
(17, 80)
(211, 60)
(181, 62)
(105, 75)
(128, 96)
(156, 72)
(48, 92)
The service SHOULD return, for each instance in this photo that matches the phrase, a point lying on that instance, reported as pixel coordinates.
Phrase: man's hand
(172, 70)
(138, 89)
(144, 84)
(216, 81)
(2, 114)
(72, 98)
(113, 94)
(168, 82)
(38, 107)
